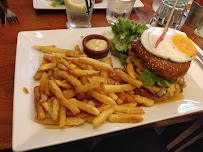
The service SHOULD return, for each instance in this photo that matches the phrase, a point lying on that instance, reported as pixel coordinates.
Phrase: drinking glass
(118, 9)
(163, 12)
(199, 29)
(79, 16)
(156, 4)
(195, 15)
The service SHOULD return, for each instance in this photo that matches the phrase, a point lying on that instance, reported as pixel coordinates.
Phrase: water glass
(199, 29)
(79, 16)
(163, 12)
(118, 9)
(156, 4)
(195, 15)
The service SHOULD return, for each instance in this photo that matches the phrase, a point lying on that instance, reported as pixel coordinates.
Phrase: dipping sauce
(97, 44)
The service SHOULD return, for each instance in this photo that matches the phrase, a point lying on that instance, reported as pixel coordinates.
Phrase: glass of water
(163, 12)
(79, 13)
(199, 29)
(155, 4)
(118, 9)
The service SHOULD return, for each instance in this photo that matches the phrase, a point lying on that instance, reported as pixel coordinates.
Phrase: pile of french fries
(75, 89)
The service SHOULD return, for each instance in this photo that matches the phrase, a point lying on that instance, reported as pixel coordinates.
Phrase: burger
(161, 67)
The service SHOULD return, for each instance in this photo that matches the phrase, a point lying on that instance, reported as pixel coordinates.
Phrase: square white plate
(46, 4)
(28, 134)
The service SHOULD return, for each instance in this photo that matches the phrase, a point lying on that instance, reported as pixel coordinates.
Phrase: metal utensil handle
(5, 3)
(200, 63)
(200, 56)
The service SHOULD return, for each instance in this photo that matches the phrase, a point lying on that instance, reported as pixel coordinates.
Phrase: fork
(12, 18)
(200, 56)
(199, 62)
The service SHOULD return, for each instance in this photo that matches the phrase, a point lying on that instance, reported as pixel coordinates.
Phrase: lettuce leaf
(124, 32)
(150, 79)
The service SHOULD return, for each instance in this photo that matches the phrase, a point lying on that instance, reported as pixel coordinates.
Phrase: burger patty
(165, 68)
(145, 93)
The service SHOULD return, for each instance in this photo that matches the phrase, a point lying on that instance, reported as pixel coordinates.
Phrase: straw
(170, 15)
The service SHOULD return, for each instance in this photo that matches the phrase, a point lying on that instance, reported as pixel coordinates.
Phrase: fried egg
(175, 46)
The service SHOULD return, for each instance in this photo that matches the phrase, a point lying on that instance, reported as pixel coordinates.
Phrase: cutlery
(199, 55)
(12, 18)
(2, 16)
(199, 62)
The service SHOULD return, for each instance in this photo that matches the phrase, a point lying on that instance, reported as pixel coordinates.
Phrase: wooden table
(31, 19)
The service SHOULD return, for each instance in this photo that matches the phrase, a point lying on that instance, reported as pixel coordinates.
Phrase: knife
(2, 16)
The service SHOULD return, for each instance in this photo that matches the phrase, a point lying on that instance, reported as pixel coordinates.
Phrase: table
(31, 19)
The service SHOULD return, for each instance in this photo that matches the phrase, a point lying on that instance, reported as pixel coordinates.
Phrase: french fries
(63, 84)
(131, 71)
(44, 82)
(144, 101)
(55, 109)
(79, 73)
(102, 117)
(47, 66)
(96, 64)
(69, 93)
(85, 107)
(70, 78)
(125, 77)
(62, 116)
(74, 54)
(98, 79)
(79, 89)
(87, 87)
(74, 121)
(46, 121)
(47, 106)
(103, 107)
(52, 49)
(60, 55)
(58, 93)
(38, 107)
(79, 64)
(119, 101)
(103, 98)
(89, 119)
(69, 105)
(118, 88)
(38, 75)
(112, 96)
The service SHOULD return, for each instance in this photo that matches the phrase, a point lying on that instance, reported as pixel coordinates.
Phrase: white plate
(46, 4)
(28, 134)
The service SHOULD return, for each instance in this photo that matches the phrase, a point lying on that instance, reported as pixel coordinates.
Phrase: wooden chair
(183, 137)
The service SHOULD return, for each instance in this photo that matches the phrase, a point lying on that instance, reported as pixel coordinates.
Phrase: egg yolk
(184, 45)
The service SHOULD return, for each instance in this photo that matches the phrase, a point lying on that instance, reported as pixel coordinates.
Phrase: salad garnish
(124, 32)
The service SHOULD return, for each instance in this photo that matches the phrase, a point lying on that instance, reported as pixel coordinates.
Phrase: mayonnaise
(97, 44)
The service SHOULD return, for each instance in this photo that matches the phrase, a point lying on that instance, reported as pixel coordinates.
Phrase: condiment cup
(93, 53)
